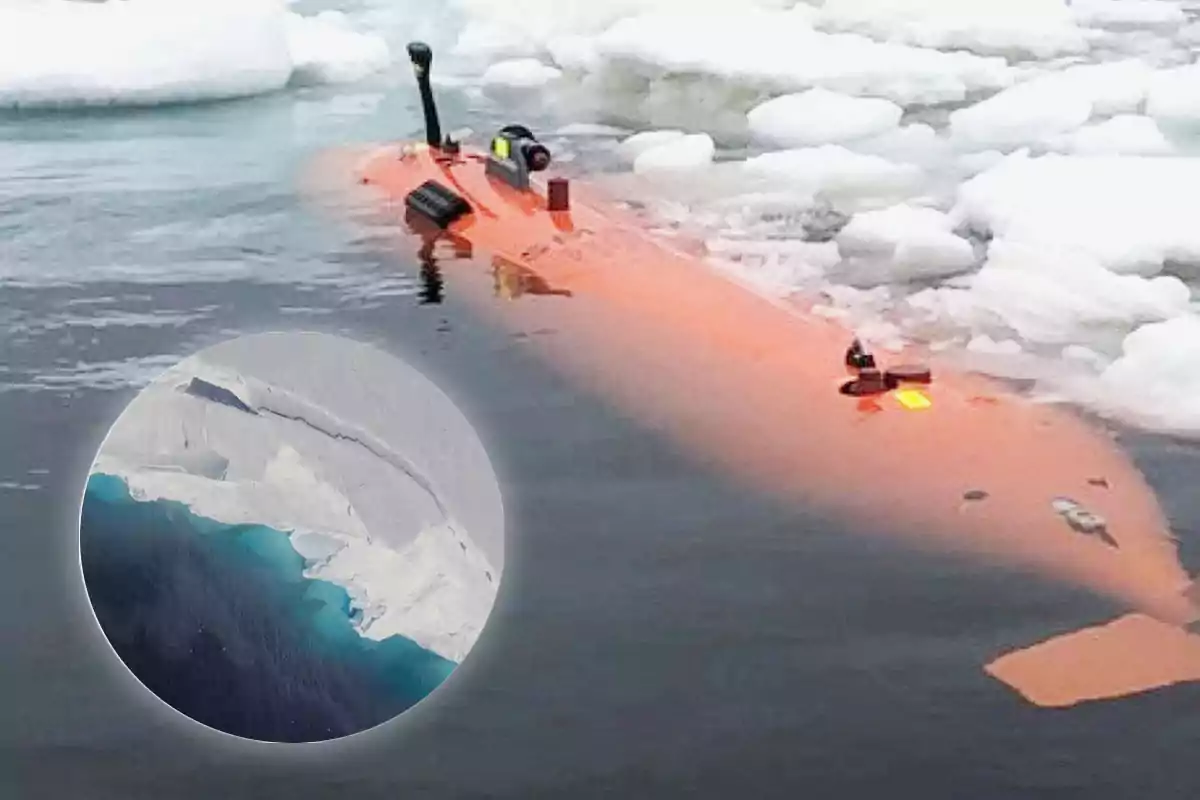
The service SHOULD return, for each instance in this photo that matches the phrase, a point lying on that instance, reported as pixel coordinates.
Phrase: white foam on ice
(146, 52)
(364, 516)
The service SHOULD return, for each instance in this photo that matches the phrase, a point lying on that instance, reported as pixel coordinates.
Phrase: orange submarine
(789, 403)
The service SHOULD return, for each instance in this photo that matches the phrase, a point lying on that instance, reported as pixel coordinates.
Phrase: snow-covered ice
(591, 129)
(1174, 95)
(787, 54)
(327, 48)
(1130, 214)
(380, 482)
(1012, 172)
(745, 46)
(1128, 12)
(146, 52)
(833, 169)
(1125, 134)
(819, 116)
(640, 143)
(1155, 377)
(681, 153)
(1040, 28)
(919, 241)
(520, 73)
(1054, 103)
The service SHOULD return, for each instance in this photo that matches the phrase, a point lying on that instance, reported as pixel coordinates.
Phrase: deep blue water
(219, 622)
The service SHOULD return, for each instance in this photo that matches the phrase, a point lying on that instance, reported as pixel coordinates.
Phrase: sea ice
(1039, 28)
(520, 73)
(683, 153)
(1126, 134)
(819, 116)
(145, 52)
(1052, 104)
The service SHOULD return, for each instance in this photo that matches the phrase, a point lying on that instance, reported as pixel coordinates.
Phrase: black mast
(422, 58)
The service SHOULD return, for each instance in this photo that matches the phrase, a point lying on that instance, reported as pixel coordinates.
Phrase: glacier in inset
(381, 484)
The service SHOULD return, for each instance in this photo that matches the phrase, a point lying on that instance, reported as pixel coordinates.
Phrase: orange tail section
(1131, 655)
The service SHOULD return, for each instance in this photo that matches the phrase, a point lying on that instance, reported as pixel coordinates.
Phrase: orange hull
(751, 385)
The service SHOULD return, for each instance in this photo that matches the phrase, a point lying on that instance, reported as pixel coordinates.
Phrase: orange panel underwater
(755, 387)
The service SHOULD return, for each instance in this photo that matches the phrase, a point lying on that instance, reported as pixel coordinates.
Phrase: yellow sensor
(913, 399)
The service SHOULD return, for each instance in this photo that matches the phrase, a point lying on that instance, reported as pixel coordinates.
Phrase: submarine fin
(1130, 655)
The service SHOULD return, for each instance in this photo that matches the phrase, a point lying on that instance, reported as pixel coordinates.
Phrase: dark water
(659, 634)
(218, 621)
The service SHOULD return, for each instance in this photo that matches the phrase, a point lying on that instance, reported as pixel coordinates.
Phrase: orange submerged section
(751, 385)
(1132, 654)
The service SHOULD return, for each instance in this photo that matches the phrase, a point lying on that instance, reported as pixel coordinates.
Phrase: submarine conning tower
(515, 154)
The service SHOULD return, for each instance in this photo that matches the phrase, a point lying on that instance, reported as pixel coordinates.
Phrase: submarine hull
(751, 385)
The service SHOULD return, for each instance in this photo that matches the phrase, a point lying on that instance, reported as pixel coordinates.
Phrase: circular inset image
(292, 537)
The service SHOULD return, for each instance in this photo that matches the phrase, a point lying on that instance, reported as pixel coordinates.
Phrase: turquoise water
(219, 621)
